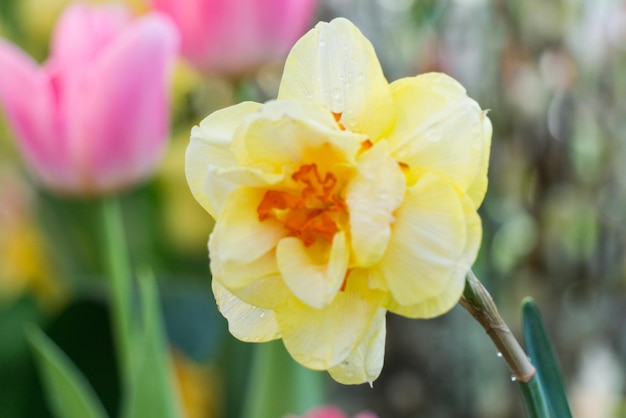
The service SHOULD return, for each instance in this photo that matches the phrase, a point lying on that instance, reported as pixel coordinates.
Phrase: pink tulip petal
(235, 36)
(82, 32)
(29, 105)
(197, 20)
(122, 117)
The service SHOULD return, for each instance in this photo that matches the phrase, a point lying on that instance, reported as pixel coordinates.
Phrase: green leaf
(544, 358)
(279, 386)
(69, 393)
(153, 392)
(534, 399)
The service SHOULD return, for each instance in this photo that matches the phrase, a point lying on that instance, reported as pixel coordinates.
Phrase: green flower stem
(119, 274)
(478, 302)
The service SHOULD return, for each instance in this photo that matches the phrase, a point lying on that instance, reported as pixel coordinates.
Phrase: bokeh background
(552, 73)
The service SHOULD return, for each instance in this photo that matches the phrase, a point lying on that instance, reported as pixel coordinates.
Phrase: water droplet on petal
(513, 378)
(262, 314)
(499, 354)
(432, 135)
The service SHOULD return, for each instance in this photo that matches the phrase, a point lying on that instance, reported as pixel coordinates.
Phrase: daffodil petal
(426, 244)
(441, 130)
(336, 66)
(314, 274)
(236, 275)
(322, 338)
(246, 322)
(239, 236)
(266, 291)
(210, 146)
(287, 134)
(451, 292)
(220, 182)
(476, 191)
(373, 194)
(436, 305)
(365, 362)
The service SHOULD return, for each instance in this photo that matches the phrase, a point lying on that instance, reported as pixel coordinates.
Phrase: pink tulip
(95, 117)
(334, 412)
(237, 36)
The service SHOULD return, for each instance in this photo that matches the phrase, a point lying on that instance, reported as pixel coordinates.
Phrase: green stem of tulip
(119, 274)
(479, 303)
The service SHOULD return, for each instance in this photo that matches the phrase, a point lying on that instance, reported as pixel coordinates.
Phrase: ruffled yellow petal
(210, 146)
(430, 307)
(265, 291)
(236, 275)
(314, 274)
(476, 191)
(286, 134)
(323, 338)
(441, 130)
(372, 196)
(239, 236)
(452, 290)
(246, 322)
(336, 66)
(426, 244)
(365, 363)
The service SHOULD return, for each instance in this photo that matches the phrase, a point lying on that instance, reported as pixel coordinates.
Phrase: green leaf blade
(153, 392)
(534, 399)
(278, 386)
(543, 356)
(69, 393)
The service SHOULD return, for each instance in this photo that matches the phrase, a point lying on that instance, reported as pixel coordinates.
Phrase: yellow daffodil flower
(343, 199)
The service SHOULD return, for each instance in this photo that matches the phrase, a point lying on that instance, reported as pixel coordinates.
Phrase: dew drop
(513, 378)
(499, 354)
(432, 135)
(262, 314)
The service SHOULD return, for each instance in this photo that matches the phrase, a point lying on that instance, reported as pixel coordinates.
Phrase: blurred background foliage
(552, 73)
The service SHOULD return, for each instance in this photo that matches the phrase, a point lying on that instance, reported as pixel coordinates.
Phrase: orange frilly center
(312, 213)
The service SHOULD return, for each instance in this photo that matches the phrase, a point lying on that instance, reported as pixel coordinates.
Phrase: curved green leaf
(69, 393)
(545, 360)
